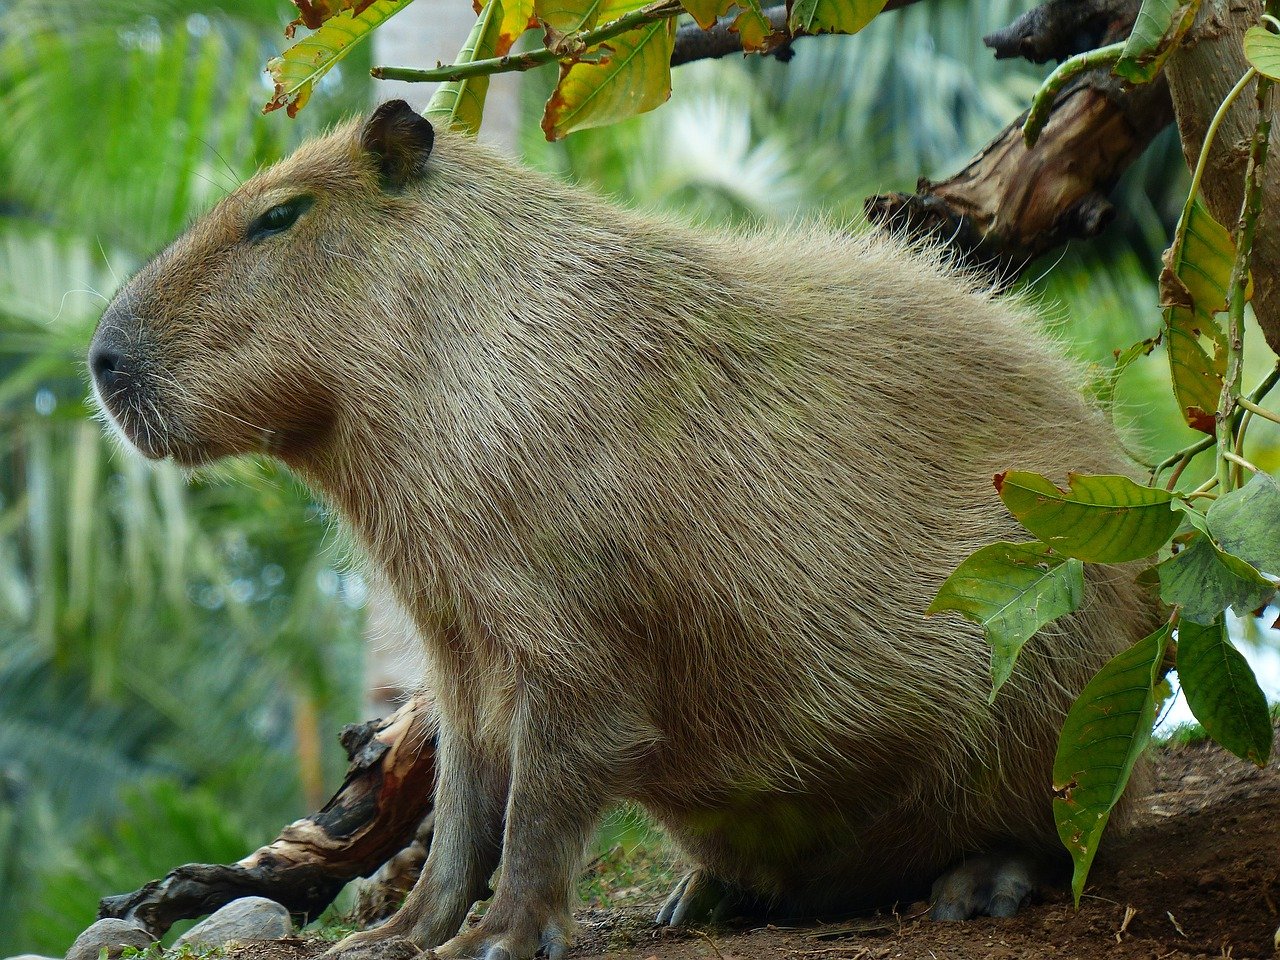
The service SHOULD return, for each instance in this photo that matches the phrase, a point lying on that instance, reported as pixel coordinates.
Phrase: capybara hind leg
(993, 885)
(465, 848)
(701, 897)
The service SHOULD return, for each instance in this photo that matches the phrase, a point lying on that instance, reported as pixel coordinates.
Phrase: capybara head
(237, 337)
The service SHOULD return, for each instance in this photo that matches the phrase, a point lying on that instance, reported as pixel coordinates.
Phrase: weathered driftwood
(383, 801)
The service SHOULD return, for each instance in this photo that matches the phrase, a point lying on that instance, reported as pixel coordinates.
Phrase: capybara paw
(700, 897)
(987, 886)
(487, 942)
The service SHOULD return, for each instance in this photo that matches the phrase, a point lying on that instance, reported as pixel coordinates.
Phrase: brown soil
(1199, 876)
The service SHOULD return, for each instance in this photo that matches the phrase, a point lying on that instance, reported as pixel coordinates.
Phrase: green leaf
(1160, 26)
(460, 103)
(1193, 287)
(1011, 590)
(1262, 49)
(1222, 691)
(1102, 738)
(755, 28)
(569, 16)
(1204, 581)
(832, 16)
(1103, 387)
(1246, 523)
(297, 70)
(1099, 519)
(634, 78)
(517, 17)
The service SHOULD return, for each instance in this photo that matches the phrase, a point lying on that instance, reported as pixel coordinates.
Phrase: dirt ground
(1199, 876)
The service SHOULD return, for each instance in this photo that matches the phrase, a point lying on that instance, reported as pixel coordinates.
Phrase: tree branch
(374, 815)
(1062, 28)
(1011, 204)
(1200, 74)
(694, 43)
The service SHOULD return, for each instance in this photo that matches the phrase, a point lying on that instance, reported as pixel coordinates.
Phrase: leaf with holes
(1159, 28)
(1105, 732)
(1262, 48)
(1011, 590)
(1246, 523)
(460, 103)
(635, 78)
(1204, 581)
(298, 69)
(831, 16)
(1193, 287)
(1099, 519)
(1222, 691)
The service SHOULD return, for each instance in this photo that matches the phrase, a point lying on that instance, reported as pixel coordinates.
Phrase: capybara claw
(987, 886)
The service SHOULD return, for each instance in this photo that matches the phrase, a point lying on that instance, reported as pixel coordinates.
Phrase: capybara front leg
(471, 789)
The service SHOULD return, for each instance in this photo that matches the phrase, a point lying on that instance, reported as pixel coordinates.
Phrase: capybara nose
(107, 364)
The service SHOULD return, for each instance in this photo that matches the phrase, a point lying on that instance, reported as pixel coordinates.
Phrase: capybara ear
(399, 139)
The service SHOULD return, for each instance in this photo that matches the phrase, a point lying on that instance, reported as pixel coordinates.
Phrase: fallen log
(384, 799)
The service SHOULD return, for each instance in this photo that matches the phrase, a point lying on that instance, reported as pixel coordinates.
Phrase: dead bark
(1200, 74)
(375, 814)
(1012, 204)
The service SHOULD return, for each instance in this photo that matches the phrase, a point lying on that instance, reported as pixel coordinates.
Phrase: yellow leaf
(832, 16)
(296, 71)
(313, 13)
(635, 77)
(755, 28)
(517, 17)
(1193, 287)
(706, 12)
(460, 103)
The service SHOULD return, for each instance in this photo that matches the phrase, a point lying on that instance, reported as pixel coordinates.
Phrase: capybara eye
(279, 218)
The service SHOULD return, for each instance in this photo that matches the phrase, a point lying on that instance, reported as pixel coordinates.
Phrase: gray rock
(111, 934)
(28, 956)
(249, 918)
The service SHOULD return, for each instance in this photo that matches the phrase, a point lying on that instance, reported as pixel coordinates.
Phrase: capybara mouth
(136, 424)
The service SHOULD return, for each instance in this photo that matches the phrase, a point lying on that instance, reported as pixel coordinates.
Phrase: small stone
(249, 918)
(112, 935)
(28, 956)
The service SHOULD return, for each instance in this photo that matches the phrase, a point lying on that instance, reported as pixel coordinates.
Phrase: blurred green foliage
(169, 645)
(169, 648)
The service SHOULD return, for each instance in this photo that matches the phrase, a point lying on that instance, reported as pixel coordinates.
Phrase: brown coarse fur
(666, 504)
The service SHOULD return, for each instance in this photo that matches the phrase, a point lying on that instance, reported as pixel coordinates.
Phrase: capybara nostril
(107, 364)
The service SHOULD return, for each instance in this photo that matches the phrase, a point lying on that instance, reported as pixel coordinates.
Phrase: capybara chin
(667, 505)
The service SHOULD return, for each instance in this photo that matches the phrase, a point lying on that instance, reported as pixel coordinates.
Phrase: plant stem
(660, 10)
(1240, 461)
(1202, 162)
(1257, 410)
(1184, 456)
(1237, 288)
(1042, 102)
